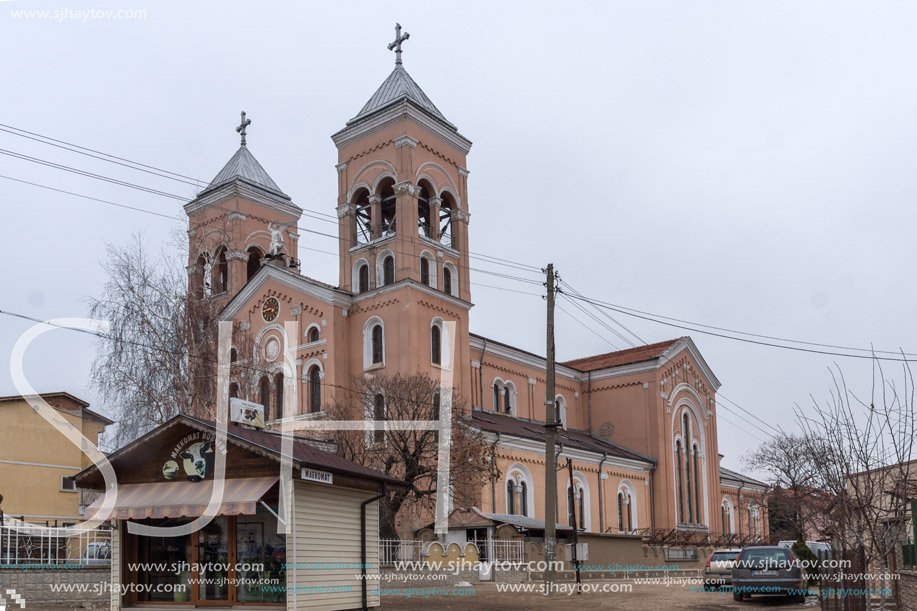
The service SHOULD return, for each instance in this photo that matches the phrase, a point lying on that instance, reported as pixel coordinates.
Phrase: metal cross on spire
(241, 129)
(397, 44)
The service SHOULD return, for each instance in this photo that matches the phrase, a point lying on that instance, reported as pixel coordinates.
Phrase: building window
(496, 398)
(560, 411)
(378, 350)
(697, 496)
(388, 270)
(278, 392)
(264, 387)
(424, 271)
(379, 416)
(447, 280)
(315, 389)
(510, 497)
(219, 272)
(620, 512)
(523, 498)
(363, 278)
(436, 403)
(68, 484)
(689, 489)
(313, 334)
(233, 391)
(233, 355)
(678, 468)
(436, 345)
(254, 262)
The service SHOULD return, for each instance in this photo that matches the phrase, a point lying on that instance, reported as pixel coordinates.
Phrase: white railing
(22, 543)
(508, 551)
(396, 550)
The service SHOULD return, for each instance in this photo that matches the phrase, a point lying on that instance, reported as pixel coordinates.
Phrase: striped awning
(184, 499)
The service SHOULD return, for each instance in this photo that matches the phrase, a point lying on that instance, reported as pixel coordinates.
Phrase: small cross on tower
(397, 44)
(241, 129)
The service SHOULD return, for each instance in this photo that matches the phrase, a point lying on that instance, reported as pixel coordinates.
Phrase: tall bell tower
(403, 221)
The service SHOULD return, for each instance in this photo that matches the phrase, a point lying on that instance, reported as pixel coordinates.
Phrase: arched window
(313, 334)
(510, 497)
(519, 480)
(233, 391)
(689, 489)
(498, 394)
(363, 216)
(373, 343)
(726, 514)
(254, 262)
(219, 272)
(315, 388)
(264, 391)
(388, 270)
(201, 285)
(378, 348)
(363, 278)
(233, 355)
(523, 498)
(678, 467)
(560, 411)
(278, 384)
(425, 271)
(620, 512)
(379, 416)
(697, 497)
(436, 345)
(436, 402)
(578, 502)
(447, 281)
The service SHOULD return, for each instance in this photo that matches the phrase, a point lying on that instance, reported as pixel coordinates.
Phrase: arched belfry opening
(427, 224)
(255, 255)
(387, 206)
(444, 219)
(363, 228)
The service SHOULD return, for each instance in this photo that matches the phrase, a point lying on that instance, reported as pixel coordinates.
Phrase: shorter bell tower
(241, 220)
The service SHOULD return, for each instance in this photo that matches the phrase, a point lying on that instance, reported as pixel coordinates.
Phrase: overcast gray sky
(748, 165)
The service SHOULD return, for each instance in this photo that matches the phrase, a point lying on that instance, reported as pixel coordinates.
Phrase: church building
(640, 425)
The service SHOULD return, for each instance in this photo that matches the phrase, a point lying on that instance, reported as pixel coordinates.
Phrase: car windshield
(765, 559)
(724, 556)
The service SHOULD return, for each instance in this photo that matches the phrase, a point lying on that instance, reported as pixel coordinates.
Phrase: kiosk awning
(185, 499)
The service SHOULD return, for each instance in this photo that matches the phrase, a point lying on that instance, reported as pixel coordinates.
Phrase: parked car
(768, 570)
(718, 571)
(98, 552)
(816, 547)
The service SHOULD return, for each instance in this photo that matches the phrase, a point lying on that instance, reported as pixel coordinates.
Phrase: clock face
(270, 309)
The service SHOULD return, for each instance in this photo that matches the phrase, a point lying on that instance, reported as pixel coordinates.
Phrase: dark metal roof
(399, 87)
(521, 521)
(738, 477)
(570, 438)
(244, 167)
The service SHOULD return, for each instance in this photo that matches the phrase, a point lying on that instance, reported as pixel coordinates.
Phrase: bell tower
(403, 218)
(239, 221)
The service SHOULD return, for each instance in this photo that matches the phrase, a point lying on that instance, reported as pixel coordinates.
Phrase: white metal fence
(508, 551)
(396, 550)
(22, 543)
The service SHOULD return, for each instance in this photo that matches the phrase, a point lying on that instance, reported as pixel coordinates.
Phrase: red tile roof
(630, 356)
(530, 429)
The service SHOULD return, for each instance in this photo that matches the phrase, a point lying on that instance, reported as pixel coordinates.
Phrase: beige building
(37, 463)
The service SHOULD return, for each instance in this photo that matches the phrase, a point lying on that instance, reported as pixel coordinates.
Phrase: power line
(609, 317)
(590, 329)
(750, 341)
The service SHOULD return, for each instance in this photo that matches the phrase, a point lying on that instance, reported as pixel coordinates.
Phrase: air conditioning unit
(582, 552)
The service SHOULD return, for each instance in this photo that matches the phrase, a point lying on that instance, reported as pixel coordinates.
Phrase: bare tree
(159, 358)
(790, 461)
(411, 455)
(864, 455)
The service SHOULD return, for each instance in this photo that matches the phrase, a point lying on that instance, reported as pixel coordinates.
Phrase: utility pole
(550, 457)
